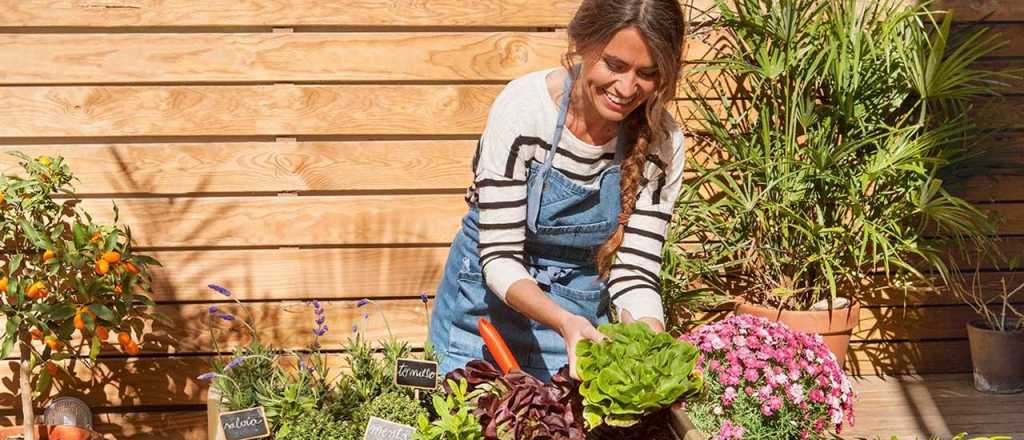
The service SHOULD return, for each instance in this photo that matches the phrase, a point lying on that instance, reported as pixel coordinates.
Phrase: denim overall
(566, 223)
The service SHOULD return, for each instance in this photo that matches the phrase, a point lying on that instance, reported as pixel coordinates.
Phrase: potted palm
(67, 285)
(833, 121)
(996, 338)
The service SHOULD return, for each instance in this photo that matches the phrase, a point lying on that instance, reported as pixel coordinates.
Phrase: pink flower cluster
(772, 367)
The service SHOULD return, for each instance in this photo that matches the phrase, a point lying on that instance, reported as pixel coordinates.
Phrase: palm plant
(835, 122)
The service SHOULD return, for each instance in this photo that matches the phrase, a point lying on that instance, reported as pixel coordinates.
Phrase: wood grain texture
(171, 380)
(447, 13)
(270, 167)
(284, 325)
(277, 57)
(322, 220)
(297, 274)
(198, 168)
(144, 13)
(270, 110)
(922, 406)
(116, 424)
(286, 221)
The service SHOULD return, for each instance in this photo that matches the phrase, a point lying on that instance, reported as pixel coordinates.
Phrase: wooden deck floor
(932, 405)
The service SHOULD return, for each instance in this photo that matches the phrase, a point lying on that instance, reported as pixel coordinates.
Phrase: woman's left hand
(654, 324)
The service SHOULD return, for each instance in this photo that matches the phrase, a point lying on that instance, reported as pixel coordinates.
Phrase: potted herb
(996, 338)
(66, 283)
(833, 121)
(302, 398)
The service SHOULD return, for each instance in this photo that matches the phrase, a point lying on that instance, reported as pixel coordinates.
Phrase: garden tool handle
(497, 346)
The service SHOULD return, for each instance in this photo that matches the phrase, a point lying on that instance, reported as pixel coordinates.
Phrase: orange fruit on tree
(95, 237)
(36, 290)
(48, 255)
(131, 267)
(52, 368)
(3, 285)
(111, 257)
(132, 348)
(102, 267)
(36, 333)
(52, 342)
(117, 289)
(102, 332)
(124, 338)
(79, 322)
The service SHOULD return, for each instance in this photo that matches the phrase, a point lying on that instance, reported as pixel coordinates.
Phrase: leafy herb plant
(634, 372)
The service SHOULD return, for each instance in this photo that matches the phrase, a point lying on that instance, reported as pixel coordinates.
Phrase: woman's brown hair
(663, 27)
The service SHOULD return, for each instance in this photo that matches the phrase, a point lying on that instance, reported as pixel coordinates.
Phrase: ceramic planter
(998, 358)
(834, 326)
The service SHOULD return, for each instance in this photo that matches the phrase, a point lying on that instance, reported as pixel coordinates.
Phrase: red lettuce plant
(519, 406)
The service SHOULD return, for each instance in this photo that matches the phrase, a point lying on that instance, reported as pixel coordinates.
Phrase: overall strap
(563, 110)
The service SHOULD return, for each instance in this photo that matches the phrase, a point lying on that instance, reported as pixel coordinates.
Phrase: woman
(563, 226)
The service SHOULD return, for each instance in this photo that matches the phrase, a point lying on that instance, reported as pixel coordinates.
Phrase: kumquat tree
(66, 283)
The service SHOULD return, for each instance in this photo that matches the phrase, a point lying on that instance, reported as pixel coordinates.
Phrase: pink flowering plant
(765, 381)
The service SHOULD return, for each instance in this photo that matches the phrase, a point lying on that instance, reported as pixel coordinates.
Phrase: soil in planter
(655, 426)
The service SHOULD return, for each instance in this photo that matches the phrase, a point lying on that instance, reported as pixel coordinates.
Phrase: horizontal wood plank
(931, 405)
(269, 110)
(276, 57)
(171, 380)
(297, 274)
(286, 221)
(289, 324)
(176, 13)
(114, 424)
(269, 167)
(313, 166)
(192, 328)
(294, 110)
(448, 13)
(321, 220)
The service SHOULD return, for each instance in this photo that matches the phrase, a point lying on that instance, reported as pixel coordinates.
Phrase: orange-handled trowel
(497, 346)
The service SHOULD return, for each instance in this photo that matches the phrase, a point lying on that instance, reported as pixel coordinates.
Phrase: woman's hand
(654, 324)
(575, 328)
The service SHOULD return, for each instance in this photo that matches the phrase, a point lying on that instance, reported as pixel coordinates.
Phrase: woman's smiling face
(619, 76)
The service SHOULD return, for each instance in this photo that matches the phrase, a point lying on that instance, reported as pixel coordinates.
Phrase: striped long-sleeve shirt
(518, 131)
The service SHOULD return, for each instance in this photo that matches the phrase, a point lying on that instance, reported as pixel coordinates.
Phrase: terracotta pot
(834, 326)
(51, 433)
(998, 358)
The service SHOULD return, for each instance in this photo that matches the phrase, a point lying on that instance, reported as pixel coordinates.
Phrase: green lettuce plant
(633, 372)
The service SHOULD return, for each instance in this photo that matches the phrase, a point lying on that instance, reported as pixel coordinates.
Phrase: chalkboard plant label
(380, 429)
(245, 424)
(415, 373)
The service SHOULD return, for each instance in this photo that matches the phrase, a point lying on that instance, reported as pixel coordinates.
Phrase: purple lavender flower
(219, 289)
(424, 298)
(234, 363)
(366, 315)
(320, 331)
(213, 310)
(226, 316)
(362, 302)
(206, 376)
(355, 328)
(321, 318)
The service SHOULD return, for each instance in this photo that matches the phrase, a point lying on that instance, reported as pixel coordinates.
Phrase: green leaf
(15, 264)
(103, 312)
(94, 348)
(81, 235)
(9, 340)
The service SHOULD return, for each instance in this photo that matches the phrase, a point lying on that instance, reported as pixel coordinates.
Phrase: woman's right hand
(575, 328)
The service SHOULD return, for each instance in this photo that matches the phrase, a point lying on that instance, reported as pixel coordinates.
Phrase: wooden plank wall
(308, 149)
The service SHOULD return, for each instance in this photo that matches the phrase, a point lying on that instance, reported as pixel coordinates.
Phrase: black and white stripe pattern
(517, 133)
